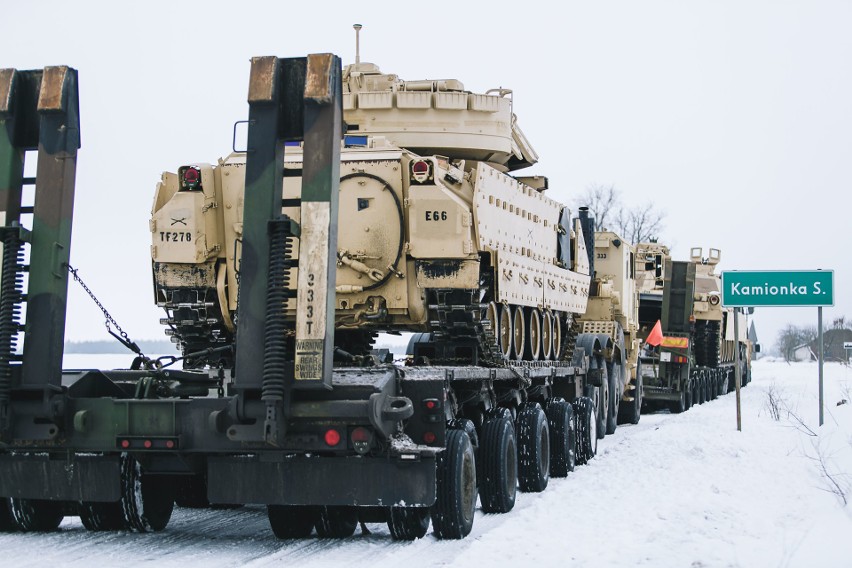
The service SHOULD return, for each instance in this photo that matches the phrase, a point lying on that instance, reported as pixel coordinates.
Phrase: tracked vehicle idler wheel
(454, 508)
(498, 457)
(36, 514)
(147, 501)
(408, 523)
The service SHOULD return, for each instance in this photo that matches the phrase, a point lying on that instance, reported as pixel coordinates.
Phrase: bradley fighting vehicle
(434, 235)
(696, 356)
(276, 267)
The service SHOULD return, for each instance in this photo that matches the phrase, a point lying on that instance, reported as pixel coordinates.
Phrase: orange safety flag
(656, 335)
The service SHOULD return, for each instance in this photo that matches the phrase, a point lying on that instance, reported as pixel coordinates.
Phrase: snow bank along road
(675, 490)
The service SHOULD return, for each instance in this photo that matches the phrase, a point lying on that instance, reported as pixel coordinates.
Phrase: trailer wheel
(498, 458)
(563, 438)
(603, 395)
(614, 371)
(146, 501)
(36, 514)
(586, 425)
(630, 411)
(7, 521)
(336, 522)
(408, 523)
(97, 516)
(533, 449)
(452, 514)
(702, 392)
(679, 405)
(291, 521)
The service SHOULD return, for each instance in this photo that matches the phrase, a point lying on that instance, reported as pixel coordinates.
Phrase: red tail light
(332, 437)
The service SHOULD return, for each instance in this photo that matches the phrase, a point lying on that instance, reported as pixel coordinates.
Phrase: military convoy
(364, 204)
(695, 358)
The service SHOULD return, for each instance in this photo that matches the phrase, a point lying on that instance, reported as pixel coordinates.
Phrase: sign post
(779, 288)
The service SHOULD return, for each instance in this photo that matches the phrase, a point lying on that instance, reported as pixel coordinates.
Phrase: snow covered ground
(675, 490)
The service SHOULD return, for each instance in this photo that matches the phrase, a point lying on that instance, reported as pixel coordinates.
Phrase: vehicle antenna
(357, 43)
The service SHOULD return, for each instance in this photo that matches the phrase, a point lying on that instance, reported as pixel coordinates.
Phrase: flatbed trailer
(323, 446)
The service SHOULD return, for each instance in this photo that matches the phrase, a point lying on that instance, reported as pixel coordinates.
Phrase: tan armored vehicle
(435, 232)
(613, 313)
(714, 339)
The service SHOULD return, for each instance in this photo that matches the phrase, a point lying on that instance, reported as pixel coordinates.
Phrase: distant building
(804, 353)
(752, 336)
(832, 341)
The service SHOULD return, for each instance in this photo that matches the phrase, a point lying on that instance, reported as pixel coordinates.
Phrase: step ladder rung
(28, 181)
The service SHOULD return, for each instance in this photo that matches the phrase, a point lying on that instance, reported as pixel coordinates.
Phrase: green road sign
(778, 288)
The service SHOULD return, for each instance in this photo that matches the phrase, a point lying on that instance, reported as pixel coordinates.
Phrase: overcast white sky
(734, 117)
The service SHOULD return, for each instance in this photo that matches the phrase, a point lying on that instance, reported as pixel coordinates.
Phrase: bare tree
(793, 336)
(634, 224)
(639, 224)
(602, 201)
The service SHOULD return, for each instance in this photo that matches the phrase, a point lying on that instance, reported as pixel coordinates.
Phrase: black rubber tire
(614, 372)
(702, 390)
(336, 522)
(630, 411)
(292, 521)
(678, 406)
(498, 461)
(690, 396)
(36, 514)
(585, 425)
(102, 516)
(603, 405)
(455, 505)
(147, 501)
(533, 449)
(191, 493)
(7, 521)
(408, 523)
(563, 438)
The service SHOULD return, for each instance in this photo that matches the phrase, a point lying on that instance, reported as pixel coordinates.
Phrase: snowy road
(675, 490)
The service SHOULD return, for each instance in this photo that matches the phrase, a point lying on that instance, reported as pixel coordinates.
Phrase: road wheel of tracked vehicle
(519, 332)
(630, 411)
(614, 371)
(532, 343)
(498, 457)
(586, 423)
(408, 523)
(7, 521)
(563, 438)
(505, 334)
(102, 516)
(533, 449)
(146, 500)
(455, 505)
(547, 335)
(336, 522)
(292, 521)
(36, 514)
(557, 336)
